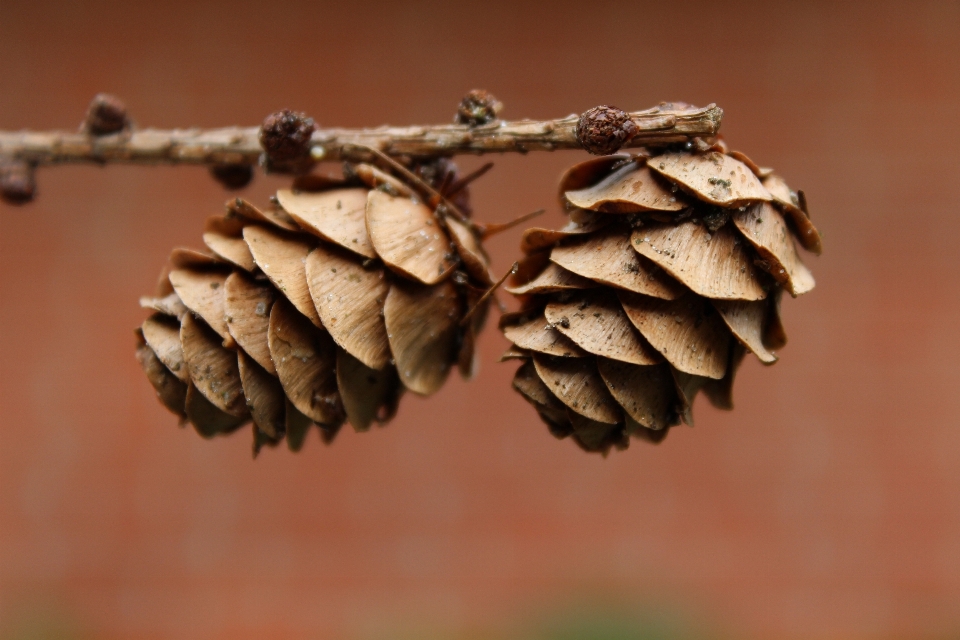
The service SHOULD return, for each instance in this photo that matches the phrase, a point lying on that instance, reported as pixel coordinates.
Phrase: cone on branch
(670, 270)
(322, 308)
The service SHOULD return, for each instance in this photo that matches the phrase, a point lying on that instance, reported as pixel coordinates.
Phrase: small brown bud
(17, 183)
(477, 108)
(232, 176)
(285, 136)
(604, 129)
(106, 114)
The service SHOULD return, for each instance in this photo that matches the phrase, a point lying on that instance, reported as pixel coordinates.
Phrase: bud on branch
(108, 137)
(238, 145)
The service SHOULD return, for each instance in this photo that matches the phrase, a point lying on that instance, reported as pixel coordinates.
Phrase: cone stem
(240, 145)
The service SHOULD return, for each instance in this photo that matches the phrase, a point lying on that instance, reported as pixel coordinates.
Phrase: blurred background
(827, 505)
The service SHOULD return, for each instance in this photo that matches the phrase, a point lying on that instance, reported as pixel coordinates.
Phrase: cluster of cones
(327, 305)
(670, 269)
(322, 308)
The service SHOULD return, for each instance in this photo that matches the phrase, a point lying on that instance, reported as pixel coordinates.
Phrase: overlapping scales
(670, 271)
(322, 308)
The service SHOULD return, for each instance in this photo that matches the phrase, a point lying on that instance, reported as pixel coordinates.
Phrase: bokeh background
(827, 505)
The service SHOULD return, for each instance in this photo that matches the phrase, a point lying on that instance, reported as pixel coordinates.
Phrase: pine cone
(670, 269)
(323, 308)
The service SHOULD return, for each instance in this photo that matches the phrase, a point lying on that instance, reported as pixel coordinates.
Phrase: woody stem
(240, 145)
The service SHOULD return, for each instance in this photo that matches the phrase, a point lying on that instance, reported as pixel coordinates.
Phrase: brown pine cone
(322, 308)
(670, 269)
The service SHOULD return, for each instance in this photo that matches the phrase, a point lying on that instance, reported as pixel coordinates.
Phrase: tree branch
(654, 127)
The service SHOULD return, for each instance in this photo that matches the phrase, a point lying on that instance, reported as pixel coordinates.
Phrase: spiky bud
(285, 136)
(17, 182)
(477, 108)
(603, 130)
(106, 114)
(232, 176)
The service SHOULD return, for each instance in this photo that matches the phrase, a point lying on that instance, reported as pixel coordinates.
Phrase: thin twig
(493, 228)
(461, 184)
(240, 145)
(489, 292)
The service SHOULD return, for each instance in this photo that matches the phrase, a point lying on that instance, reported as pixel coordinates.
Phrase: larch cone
(670, 270)
(322, 308)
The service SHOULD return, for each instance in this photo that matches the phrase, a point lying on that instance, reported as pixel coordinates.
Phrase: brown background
(826, 506)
